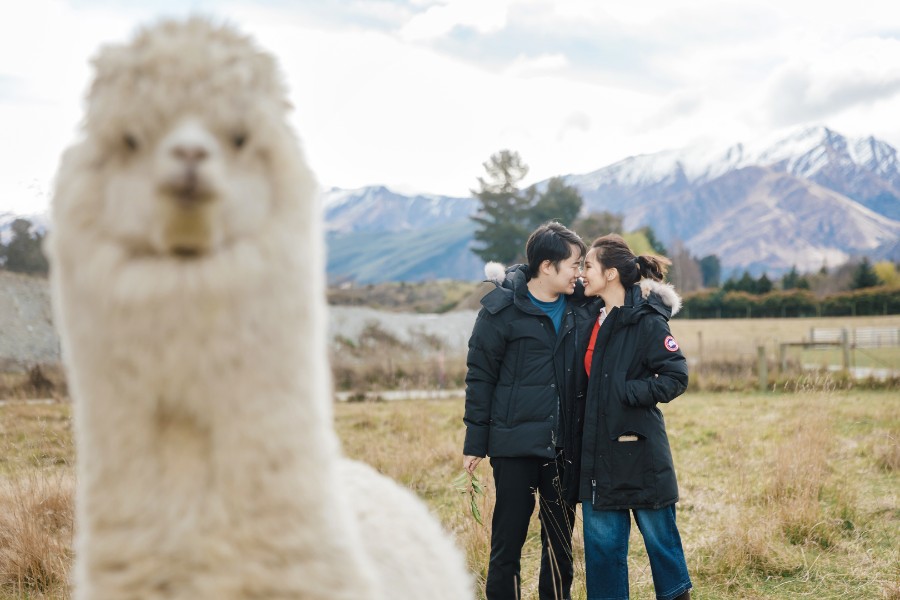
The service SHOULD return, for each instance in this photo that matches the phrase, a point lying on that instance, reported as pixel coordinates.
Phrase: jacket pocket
(501, 404)
(630, 461)
(517, 375)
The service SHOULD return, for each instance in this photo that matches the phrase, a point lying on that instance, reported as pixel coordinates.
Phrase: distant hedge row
(718, 304)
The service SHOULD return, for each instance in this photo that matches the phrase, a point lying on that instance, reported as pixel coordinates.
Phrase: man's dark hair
(551, 241)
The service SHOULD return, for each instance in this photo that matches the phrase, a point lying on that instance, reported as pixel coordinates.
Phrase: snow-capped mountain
(864, 169)
(814, 197)
(809, 198)
(806, 153)
(377, 208)
(762, 219)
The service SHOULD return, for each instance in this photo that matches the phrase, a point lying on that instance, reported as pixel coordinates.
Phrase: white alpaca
(188, 287)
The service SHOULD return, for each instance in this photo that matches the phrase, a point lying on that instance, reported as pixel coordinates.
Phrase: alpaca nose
(186, 183)
(190, 154)
(187, 153)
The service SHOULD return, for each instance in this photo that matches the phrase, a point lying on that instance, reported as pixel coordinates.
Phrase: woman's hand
(470, 462)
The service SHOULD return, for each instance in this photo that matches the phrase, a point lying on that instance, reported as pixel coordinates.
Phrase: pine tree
(559, 202)
(508, 215)
(792, 280)
(502, 222)
(864, 276)
(711, 269)
(23, 254)
(789, 280)
(657, 245)
(745, 284)
(594, 225)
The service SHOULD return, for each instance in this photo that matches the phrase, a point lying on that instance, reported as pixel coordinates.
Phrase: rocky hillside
(27, 336)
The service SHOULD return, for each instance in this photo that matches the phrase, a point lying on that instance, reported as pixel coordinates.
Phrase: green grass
(782, 495)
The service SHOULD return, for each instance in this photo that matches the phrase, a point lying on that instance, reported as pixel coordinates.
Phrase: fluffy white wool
(187, 276)
(494, 271)
(666, 291)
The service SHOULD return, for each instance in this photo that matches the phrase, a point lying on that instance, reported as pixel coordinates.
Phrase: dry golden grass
(783, 495)
(706, 339)
(36, 521)
(36, 504)
(40, 381)
(722, 355)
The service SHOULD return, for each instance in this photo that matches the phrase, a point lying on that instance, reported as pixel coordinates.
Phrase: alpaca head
(186, 149)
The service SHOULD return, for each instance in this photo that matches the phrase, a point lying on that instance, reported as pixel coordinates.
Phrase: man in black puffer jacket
(521, 408)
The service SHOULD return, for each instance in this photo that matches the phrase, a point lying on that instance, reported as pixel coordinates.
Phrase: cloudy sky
(417, 94)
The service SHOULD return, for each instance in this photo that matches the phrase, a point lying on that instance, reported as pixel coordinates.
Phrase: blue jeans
(606, 552)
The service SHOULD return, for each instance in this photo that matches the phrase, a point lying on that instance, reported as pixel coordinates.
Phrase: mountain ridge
(809, 198)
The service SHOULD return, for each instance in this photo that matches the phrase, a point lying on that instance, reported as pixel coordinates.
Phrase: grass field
(783, 495)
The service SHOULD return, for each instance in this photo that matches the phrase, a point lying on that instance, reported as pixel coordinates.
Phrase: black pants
(516, 480)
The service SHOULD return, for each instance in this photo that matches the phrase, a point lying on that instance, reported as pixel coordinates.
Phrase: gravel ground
(27, 335)
(452, 328)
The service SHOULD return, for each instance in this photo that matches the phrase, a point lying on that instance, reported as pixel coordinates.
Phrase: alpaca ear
(494, 271)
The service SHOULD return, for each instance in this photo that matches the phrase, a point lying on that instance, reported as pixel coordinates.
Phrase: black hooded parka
(521, 377)
(626, 461)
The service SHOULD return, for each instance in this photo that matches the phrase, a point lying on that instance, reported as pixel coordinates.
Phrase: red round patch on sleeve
(671, 344)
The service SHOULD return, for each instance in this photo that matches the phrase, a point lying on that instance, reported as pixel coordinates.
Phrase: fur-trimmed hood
(511, 288)
(494, 271)
(665, 291)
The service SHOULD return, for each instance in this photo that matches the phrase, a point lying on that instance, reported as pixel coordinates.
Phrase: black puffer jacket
(518, 370)
(636, 365)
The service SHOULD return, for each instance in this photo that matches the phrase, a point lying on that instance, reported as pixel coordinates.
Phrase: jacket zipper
(593, 491)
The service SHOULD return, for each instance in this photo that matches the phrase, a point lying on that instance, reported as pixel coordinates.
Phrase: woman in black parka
(632, 364)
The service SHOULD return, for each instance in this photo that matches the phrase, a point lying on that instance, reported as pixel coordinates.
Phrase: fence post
(845, 350)
(763, 368)
(700, 348)
(782, 357)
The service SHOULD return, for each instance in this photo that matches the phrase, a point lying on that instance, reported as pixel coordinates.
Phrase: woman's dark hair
(551, 241)
(613, 252)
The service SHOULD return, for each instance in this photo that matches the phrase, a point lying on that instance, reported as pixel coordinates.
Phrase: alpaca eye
(130, 141)
(239, 140)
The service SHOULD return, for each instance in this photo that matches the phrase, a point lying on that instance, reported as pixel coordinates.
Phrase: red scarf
(589, 355)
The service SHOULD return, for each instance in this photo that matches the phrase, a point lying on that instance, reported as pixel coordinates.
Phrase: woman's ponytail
(613, 252)
(653, 267)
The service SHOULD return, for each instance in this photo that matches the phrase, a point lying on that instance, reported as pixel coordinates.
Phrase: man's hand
(470, 462)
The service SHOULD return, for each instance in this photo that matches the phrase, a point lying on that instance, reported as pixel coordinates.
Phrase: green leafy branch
(468, 484)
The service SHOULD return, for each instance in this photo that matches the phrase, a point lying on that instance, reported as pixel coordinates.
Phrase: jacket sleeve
(663, 358)
(486, 348)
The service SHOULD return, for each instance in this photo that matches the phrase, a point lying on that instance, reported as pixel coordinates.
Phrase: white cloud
(45, 55)
(848, 76)
(524, 66)
(417, 95)
(439, 20)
